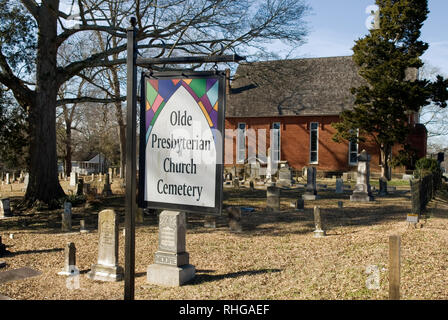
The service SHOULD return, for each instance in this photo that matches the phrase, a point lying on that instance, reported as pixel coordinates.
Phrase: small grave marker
(318, 232)
(69, 260)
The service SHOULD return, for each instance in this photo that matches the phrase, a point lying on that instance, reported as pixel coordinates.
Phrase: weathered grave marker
(171, 267)
(311, 186)
(383, 186)
(80, 187)
(5, 208)
(272, 198)
(82, 227)
(18, 274)
(107, 191)
(318, 232)
(107, 268)
(67, 217)
(299, 204)
(3, 251)
(69, 260)
(362, 191)
(339, 185)
(73, 179)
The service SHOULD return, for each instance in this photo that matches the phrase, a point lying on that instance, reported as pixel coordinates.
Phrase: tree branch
(89, 99)
(32, 7)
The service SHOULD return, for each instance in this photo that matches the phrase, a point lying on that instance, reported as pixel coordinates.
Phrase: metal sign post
(131, 141)
(130, 201)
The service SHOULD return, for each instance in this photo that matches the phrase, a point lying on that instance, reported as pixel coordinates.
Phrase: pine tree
(385, 58)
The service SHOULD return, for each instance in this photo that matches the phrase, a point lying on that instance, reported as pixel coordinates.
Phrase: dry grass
(276, 257)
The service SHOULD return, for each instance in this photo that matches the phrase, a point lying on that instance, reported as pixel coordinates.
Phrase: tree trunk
(385, 157)
(68, 148)
(120, 121)
(43, 180)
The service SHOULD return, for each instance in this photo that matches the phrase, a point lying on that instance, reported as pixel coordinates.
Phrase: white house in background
(95, 165)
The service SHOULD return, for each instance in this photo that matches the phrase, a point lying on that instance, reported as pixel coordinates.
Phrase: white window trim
(238, 160)
(279, 139)
(349, 150)
(317, 144)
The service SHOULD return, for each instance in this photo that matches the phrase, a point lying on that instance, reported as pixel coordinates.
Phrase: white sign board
(181, 147)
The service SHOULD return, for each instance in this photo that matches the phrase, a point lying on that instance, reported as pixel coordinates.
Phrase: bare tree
(184, 26)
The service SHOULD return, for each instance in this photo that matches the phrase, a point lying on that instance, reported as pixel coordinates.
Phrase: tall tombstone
(107, 268)
(272, 198)
(80, 187)
(171, 267)
(318, 232)
(73, 179)
(107, 191)
(7, 178)
(69, 260)
(339, 185)
(285, 176)
(67, 217)
(311, 186)
(362, 191)
(5, 208)
(383, 187)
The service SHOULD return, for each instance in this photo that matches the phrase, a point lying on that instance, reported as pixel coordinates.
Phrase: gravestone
(299, 204)
(3, 251)
(80, 187)
(339, 185)
(82, 227)
(171, 267)
(18, 274)
(272, 198)
(7, 178)
(362, 191)
(67, 217)
(383, 187)
(73, 179)
(340, 204)
(107, 191)
(69, 260)
(311, 186)
(5, 208)
(234, 216)
(318, 232)
(107, 268)
(251, 185)
(210, 222)
(285, 176)
(236, 183)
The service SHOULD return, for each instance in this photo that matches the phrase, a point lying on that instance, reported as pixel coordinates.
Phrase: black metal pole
(130, 202)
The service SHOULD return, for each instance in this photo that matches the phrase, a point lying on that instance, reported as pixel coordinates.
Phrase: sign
(412, 218)
(181, 144)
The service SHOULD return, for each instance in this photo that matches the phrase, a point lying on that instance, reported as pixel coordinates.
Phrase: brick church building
(300, 99)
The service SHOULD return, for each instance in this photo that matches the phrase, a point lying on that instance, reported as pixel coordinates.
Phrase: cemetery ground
(274, 257)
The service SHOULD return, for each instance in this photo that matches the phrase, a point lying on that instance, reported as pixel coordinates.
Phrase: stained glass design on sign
(204, 92)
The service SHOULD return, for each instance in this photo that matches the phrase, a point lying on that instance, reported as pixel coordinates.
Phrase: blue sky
(335, 25)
